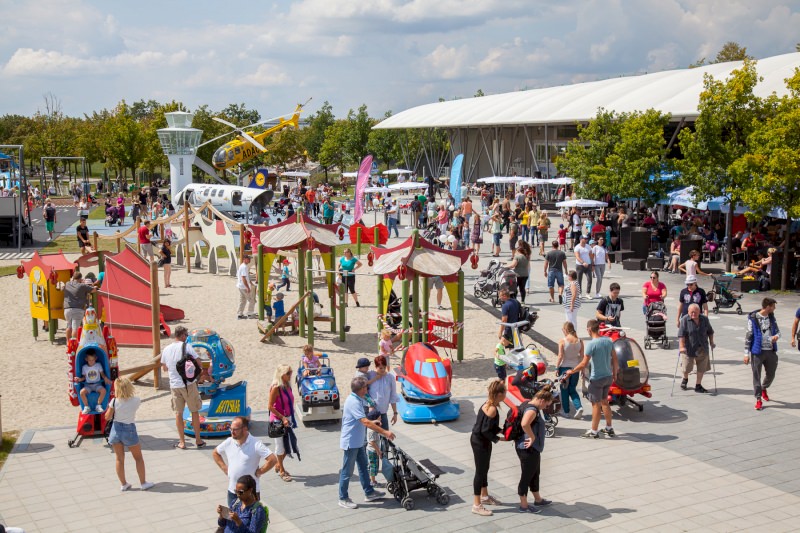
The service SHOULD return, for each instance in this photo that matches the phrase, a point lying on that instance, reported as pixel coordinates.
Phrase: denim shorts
(554, 276)
(497, 238)
(124, 434)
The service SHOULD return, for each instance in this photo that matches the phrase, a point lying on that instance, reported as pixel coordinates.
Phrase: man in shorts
(599, 353)
(144, 240)
(49, 218)
(75, 293)
(555, 264)
(183, 394)
(694, 336)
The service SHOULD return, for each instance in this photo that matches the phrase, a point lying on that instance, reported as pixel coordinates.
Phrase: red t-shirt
(311, 195)
(653, 294)
(144, 235)
(562, 236)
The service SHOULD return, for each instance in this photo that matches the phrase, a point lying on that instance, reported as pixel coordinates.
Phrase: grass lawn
(9, 438)
(8, 270)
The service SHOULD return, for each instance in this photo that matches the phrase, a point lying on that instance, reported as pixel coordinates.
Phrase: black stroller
(656, 323)
(411, 475)
(485, 284)
(529, 385)
(723, 297)
(431, 233)
(494, 279)
(394, 316)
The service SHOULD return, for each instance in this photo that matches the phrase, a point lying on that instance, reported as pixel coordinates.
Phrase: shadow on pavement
(654, 412)
(588, 512)
(170, 488)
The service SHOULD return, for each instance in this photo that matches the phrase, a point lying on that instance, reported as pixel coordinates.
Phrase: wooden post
(379, 277)
(415, 322)
(459, 318)
(342, 314)
(376, 235)
(404, 312)
(119, 242)
(426, 295)
(138, 244)
(332, 289)
(358, 241)
(301, 288)
(94, 241)
(35, 324)
(156, 322)
(261, 281)
(186, 237)
(310, 300)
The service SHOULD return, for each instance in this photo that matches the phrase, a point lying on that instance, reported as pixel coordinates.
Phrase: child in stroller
(656, 324)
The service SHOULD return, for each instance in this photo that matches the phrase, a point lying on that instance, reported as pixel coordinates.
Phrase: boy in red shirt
(562, 235)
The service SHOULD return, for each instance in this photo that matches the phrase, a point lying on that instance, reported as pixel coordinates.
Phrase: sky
(387, 54)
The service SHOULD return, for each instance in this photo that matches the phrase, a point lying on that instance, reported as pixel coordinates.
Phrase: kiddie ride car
(319, 395)
(632, 377)
(221, 403)
(425, 386)
(521, 357)
(90, 341)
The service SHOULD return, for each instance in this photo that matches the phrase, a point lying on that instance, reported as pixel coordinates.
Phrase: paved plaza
(689, 462)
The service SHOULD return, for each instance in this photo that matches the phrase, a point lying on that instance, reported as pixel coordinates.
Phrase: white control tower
(179, 141)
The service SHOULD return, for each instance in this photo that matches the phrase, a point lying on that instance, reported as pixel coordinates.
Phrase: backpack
(187, 367)
(512, 427)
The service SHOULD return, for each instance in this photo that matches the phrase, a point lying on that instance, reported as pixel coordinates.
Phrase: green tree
(284, 148)
(729, 113)
(333, 152)
(359, 127)
(479, 93)
(617, 153)
(126, 140)
(771, 167)
(50, 135)
(314, 133)
(730, 51)
(240, 115)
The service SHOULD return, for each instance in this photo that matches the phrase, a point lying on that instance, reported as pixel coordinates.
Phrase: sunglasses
(239, 492)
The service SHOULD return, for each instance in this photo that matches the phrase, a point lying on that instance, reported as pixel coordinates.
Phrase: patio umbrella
(561, 181)
(395, 171)
(408, 186)
(296, 174)
(581, 202)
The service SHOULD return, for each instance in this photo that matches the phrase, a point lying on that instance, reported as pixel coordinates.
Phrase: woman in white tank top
(570, 353)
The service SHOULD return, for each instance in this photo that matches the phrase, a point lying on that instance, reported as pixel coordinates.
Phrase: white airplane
(232, 200)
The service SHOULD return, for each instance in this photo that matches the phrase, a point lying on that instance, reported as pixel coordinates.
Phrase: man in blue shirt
(510, 312)
(354, 443)
(604, 366)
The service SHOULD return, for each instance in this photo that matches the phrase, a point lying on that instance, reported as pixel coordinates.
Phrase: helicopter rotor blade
(216, 138)
(252, 141)
(223, 121)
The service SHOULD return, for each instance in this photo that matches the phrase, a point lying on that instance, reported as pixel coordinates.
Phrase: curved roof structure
(674, 91)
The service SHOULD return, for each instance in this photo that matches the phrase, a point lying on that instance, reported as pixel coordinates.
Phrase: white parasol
(408, 186)
(296, 174)
(581, 202)
(395, 171)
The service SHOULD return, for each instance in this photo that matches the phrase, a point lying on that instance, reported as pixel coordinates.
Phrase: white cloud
(446, 63)
(266, 75)
(29, 62)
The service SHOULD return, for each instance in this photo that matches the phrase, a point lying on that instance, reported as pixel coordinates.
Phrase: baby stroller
(656, 323)
(494, 279)
(723, 297)
(411, 475)
(485, 284)
(431, 233)
(528, 385)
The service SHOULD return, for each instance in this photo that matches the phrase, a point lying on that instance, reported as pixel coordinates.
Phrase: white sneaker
(125, 487)
(579, 414)
(348, 504)
(148, 485)
(98, 408)
(86, 410)
(49, 239)
(597, 296)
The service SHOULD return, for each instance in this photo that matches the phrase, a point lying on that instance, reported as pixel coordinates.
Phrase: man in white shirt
(183, 394)
(583, 264)
(239, 454)
(247, 292)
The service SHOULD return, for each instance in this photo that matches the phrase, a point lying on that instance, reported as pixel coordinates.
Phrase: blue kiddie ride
(221, 403)
(319, 395)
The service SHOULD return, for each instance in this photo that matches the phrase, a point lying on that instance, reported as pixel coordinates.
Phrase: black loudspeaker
(633, 264)
(640, 243)
(688, 245)
(625, 239)
(537, 174)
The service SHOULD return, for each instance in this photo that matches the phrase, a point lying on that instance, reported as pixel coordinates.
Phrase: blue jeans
(393, 224)
(353, 457)
(525, 232)
(570, 391)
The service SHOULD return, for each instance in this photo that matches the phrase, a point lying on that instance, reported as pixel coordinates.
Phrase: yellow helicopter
(247, 144)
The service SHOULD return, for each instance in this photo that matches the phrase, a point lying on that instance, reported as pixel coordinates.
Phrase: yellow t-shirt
(533, 218)
(524, 218)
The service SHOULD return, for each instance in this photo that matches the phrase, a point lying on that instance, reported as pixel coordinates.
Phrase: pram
(411, 475)
(528, 389)
(494, 279)
(656, 323)
(431, 233)
(723, 297)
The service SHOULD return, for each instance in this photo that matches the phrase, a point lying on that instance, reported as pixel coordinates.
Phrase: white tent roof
(674, 91)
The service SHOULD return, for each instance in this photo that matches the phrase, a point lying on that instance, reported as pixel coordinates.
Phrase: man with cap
(692, 294)
(694, 336)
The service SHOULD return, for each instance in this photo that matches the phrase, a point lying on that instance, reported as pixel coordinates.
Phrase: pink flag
(361, 184)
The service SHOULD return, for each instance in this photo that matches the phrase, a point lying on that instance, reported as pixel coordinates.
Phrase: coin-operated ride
(425, 380)
(633, 376)
(90, 340)
(319, 395)
(221, 403)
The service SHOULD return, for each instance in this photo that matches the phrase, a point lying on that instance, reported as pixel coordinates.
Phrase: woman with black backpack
(529, 446)
(485, 432)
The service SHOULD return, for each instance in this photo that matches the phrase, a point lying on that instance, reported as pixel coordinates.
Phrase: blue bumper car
(425, 386)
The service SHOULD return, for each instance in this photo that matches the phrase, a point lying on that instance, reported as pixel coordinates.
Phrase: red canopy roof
(48, 263)
(294, 232)
(427, 260)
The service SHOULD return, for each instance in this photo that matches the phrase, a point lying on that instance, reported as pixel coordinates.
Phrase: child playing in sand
(285, 276)
(499, 364)
(94, 377)
(311, 362)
